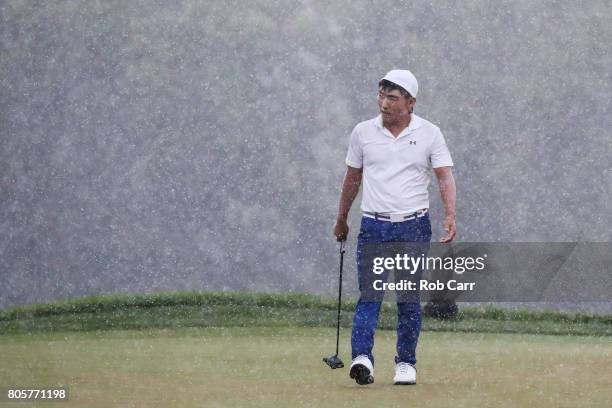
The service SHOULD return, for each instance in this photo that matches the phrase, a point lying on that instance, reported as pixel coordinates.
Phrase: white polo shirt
(396, 171)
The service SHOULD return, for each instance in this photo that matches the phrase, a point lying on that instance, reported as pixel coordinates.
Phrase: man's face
(393, 105)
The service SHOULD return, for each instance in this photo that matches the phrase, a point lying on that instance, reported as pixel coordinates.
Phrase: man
(393, 154)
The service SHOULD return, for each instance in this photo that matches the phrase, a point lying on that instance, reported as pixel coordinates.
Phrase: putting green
(282, 367)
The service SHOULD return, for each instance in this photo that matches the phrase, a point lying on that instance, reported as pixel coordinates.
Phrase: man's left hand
(450, 228)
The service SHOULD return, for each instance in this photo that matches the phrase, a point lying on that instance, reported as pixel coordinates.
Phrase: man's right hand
(350, 188)
(341, 229)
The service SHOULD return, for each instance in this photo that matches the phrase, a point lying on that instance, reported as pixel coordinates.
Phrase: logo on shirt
(412, 142)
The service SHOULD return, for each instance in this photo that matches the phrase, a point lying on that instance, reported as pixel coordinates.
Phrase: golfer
(393, 154)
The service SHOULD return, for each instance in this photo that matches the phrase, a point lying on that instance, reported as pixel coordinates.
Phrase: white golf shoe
(362, 370)
(405, 374)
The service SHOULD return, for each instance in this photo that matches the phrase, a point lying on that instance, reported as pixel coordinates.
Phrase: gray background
(148, 146)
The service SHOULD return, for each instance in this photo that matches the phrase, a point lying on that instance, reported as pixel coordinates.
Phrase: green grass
(282, 367)
(264, 350)
(233, 309)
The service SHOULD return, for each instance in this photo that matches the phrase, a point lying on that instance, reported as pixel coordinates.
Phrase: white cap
(405, 79)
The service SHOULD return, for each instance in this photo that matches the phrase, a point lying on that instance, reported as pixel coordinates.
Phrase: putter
(334, 361)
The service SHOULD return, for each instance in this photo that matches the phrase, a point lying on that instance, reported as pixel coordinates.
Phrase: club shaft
(339, 298)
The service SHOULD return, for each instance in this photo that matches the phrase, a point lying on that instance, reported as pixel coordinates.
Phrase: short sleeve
(440, 156)
(354, 157)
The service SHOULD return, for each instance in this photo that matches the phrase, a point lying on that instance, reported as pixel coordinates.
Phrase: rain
(193, 146)
(201, 147)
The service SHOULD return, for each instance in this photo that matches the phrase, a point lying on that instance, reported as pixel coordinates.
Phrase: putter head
(333, 362)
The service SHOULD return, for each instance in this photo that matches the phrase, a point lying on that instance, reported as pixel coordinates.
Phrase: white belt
(395, 217)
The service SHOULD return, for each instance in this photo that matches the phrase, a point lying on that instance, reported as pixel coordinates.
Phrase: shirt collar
(415, 122)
